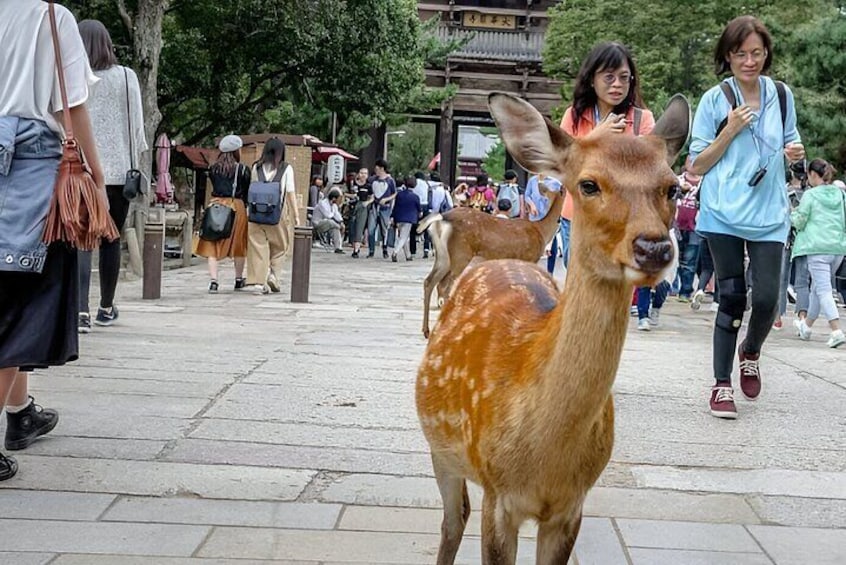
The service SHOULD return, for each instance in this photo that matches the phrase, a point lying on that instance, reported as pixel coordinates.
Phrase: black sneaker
(240, 284)
(339, 251)
(213, 287)
(354, 255)
(8, 467)
(24, 427)
(106, 317)
(84, 323)
(384, 254)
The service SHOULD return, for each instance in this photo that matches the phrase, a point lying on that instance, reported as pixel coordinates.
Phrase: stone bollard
(301, 267)
(154, 231)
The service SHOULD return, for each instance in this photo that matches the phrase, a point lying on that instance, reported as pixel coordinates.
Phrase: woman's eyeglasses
(757, 55)
(610, 78)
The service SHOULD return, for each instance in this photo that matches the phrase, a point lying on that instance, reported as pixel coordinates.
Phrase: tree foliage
(494, 162)
(283, 65)
(412, 152)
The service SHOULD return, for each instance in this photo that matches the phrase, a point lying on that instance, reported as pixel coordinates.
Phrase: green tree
(494, 162)
(411, 152)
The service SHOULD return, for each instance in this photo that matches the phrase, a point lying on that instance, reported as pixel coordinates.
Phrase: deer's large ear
(536, 143)
(674, 126)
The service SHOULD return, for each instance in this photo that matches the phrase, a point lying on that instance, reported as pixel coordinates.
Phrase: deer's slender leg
(440, 269)
(499, 533)
(557, 538)
(456, 511)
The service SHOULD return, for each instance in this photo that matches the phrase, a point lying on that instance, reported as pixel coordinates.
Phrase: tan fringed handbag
(79, 210)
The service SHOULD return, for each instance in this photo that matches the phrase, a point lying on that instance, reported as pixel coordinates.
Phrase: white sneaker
(696, 300)
(836, 339)
(643, 325)
(260, 289)
(654, 315)
(715, 307)
(802, 330)
(273, 283)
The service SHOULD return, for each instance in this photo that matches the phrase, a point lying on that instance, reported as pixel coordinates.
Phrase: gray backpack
(264, 198)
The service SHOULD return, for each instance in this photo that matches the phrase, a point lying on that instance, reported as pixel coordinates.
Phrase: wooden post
(301, 265)
(445, 144)
(154, 231)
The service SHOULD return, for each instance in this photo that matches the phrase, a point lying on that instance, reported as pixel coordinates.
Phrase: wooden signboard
(488, 21)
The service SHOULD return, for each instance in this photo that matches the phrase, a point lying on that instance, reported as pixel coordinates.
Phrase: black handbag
(132, 186)
(217, 223)
(218, 219)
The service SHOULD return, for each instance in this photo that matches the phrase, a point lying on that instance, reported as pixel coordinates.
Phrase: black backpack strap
(638, 116)
(732, 100)
(781, 90)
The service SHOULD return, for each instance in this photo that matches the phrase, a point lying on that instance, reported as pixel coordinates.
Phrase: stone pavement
(244, 429)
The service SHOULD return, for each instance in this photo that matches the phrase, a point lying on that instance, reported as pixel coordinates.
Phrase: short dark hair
(98, 44)
(482, 180)
(410, 182)
(608, 55)
(334, 194)
(434, 176)
(382, 163)
(503, 204)
(510, 174)
(733, 36)
(419, 175)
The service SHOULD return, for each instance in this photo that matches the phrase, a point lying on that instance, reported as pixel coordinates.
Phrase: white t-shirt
(287, 181)
(29, 84)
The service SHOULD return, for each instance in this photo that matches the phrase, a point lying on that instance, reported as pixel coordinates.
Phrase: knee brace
(732, 304)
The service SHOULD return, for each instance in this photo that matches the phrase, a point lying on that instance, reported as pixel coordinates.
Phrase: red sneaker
(722, 402)
(750, 374)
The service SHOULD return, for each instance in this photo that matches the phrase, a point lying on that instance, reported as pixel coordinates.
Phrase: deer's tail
(424, 224)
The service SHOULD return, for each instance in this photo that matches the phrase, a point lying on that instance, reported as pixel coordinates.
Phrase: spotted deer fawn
(462, 234)
(514, 391)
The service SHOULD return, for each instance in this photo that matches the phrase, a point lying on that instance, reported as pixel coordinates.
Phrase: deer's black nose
(652, 254)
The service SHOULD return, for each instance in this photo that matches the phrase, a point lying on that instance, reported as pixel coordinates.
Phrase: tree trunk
(145, 30)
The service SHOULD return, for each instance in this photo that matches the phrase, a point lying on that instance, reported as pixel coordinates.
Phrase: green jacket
(820, 222)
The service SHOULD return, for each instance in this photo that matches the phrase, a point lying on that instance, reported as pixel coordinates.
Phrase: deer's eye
(673, 192)
(588, 188)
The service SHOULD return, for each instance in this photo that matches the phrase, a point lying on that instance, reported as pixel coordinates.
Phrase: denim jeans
(379, 220)
(822, 303)
(688, 259)
(647, 297)
(801, 283)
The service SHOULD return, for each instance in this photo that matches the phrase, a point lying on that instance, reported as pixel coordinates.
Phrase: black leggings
(109, 255)
(765, 266)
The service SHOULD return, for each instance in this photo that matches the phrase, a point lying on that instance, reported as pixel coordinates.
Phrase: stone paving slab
(129, 560)
(45, 505)
(312, 516)
(642, 556)
(687, 535)
(801, 546)
(159, 479)
(102, 537)
(805, 512)
(98, 448)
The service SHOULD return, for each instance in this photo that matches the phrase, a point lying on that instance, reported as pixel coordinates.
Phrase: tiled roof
(498, 45)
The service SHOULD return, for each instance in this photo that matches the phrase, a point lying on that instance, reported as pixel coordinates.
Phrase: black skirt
(39, 313)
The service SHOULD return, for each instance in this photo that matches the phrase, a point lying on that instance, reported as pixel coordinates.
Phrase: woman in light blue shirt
(740, 153)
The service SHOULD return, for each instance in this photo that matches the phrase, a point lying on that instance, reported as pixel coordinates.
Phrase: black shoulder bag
(132, 185)
(218, 218)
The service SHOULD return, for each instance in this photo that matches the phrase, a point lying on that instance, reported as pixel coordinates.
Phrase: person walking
(116, 116)
(379, 219)
(406, 211)
(820, 222)
(268, 243)
(363, 201)
(39, 286)
(743, 203)
(230, 181)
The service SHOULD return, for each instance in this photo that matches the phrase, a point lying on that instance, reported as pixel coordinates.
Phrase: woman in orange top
(606, 95)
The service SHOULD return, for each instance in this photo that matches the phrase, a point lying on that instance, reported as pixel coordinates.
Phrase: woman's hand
(794, 152)
(614, 123)
(533, 210)
(739, 118)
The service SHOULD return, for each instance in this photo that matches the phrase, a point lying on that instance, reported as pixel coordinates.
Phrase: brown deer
(514, 390)
(463, 234)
